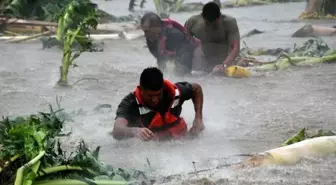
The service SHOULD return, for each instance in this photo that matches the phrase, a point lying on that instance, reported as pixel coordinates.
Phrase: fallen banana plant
(313, 51)
(302, 135)
(314, 47)
(286, 62)
(31, 154)
(300, 146)
(293, 150)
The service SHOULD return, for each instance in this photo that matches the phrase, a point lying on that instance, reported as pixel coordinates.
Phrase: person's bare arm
(234, 42)
(188, 25)
(197, 99)
(124, 115)
(194, 92)
(121, 129)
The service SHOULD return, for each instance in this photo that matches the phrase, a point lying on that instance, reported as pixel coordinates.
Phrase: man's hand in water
(197, 127)
(144, 134)
(219, 68)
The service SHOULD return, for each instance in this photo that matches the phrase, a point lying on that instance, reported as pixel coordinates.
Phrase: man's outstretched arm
(194, 92)
(121, 129)
(234, 42)
(197, 99)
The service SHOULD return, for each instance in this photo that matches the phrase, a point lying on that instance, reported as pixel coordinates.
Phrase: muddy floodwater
(241, 115)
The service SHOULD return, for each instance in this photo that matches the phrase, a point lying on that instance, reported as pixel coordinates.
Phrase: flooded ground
(241, 115)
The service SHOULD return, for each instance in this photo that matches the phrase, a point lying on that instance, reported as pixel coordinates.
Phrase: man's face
(151, 32)
(151, 98)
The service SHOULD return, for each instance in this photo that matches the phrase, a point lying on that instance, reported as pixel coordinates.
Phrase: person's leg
(198, 59)
(181, 70)
(200, 63)
(183, 65)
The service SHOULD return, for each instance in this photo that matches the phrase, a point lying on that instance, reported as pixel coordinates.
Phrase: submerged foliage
(313, 47)
(31, 153)
(313, 51)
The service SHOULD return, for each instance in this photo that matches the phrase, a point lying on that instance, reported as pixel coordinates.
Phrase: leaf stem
(20, 171)
(64, 168)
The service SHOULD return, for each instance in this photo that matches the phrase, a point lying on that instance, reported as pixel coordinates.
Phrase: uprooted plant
(313, 51)
(31, 154)
(74, 26)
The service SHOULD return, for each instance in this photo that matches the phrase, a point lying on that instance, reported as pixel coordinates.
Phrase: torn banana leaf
(314, 47)
(314, 61)
(281, 64)
(300, 136)
(31, 153)
(285, 63)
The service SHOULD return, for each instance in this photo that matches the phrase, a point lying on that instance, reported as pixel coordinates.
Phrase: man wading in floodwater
(152, 111)
(219, 35)
(167, 40)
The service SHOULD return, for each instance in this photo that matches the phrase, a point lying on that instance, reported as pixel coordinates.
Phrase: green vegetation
(74, 25)
(33, 10)
(312, 52)
(31, 154)
(302, 135)
(43, 10)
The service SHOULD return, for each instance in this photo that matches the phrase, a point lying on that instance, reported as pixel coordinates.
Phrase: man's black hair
(153, 19)
(211, 11)
(151, 79)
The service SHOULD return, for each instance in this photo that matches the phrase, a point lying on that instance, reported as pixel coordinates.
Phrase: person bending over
(168, 40)
(219, 34)
(152, 111)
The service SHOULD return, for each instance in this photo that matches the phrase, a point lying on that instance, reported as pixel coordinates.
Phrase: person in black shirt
(152, 111)
(168, 40)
